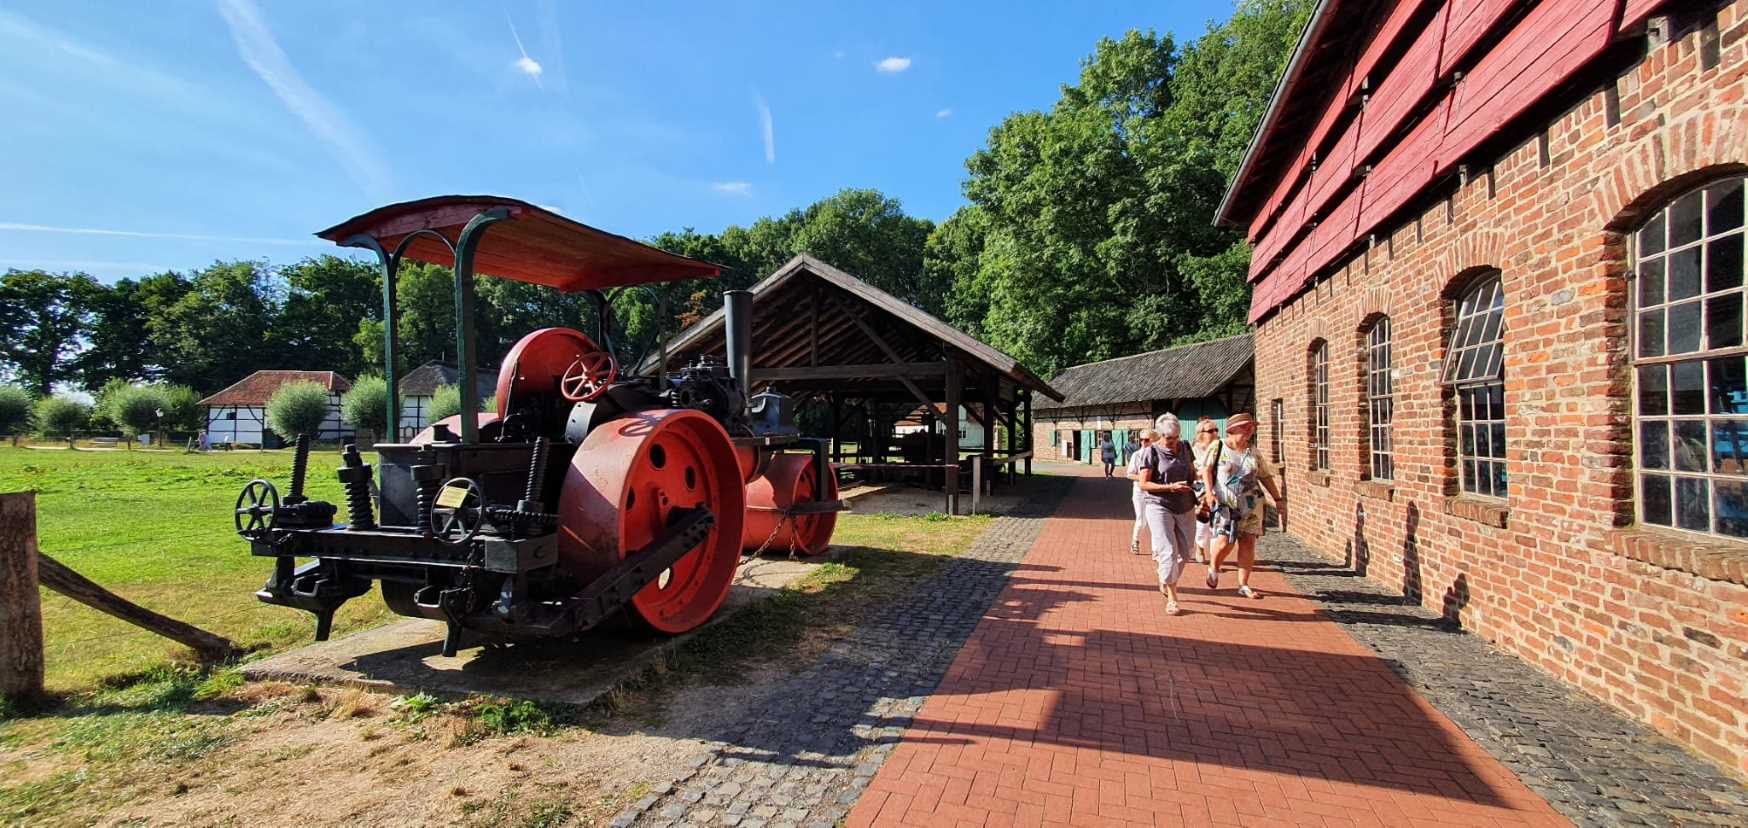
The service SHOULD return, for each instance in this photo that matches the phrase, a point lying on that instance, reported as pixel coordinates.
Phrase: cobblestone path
(1594, 765)
(1078, 701)
(807, 755)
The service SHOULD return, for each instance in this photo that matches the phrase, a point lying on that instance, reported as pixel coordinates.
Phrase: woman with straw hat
(1234, 483)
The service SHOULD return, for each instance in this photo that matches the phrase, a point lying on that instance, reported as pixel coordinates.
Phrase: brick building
(1498, 296)
(1124, 395)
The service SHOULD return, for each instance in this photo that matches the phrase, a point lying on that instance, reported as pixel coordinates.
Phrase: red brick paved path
(1078, 701)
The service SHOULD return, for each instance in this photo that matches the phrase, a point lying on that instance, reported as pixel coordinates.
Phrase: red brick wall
(1652, 622)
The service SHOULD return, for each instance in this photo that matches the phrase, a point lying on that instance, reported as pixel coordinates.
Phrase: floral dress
(1238, 492)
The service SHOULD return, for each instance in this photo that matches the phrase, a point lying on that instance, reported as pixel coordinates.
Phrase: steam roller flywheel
(625, 481)
(788, 479)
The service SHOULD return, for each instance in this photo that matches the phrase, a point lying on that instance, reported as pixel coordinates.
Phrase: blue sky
(142, 137)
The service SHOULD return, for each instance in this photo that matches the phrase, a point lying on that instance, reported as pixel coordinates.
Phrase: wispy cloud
(892, 65)
(141, 234)
(552, 46)
(765, 129)
(123, 73)
(733, 188)
(524, 64)
(944, 114)
(258, 48)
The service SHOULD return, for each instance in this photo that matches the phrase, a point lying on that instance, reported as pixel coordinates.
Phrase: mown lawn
(155, 527)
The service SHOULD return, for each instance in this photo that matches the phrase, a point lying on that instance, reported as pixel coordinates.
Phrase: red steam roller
(589, 495)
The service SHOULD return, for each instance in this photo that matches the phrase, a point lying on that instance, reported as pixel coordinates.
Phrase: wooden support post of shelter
(954, 380)
(21, 657)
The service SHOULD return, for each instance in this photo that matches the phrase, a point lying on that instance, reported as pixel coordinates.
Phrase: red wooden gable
(1419, 121)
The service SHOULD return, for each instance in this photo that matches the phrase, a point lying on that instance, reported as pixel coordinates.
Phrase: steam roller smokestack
(738, 323)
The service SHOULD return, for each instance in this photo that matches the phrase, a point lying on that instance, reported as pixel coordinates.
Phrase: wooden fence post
(56, 576)
(21, 658)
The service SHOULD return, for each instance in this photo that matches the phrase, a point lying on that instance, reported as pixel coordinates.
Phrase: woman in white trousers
(1136, 496)
(1167, 469)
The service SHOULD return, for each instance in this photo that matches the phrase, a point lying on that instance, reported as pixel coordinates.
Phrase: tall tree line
(1087, 236)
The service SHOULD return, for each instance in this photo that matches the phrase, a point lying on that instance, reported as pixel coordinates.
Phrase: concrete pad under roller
(406, 656)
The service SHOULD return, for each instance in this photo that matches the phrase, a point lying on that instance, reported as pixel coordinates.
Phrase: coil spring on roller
(300, 465)
(356, 477)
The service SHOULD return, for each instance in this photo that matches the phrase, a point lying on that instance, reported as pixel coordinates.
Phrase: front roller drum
(629, 475)
(789, 479)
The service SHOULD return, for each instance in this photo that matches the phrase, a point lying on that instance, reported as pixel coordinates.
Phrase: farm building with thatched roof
(1124, 395)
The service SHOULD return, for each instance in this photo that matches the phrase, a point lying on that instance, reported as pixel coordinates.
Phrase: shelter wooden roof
(1182, 373)
(535, 245)
(811, 319)
(258, 388)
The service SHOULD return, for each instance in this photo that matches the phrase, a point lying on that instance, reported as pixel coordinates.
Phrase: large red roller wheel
(788, 479)
(629, 475)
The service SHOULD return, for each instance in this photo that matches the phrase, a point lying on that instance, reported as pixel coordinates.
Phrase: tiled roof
(257, 388)
(1181, 373)
(423, 380)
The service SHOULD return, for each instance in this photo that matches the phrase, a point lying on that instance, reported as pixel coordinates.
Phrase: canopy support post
(391, 265)
(466, 351)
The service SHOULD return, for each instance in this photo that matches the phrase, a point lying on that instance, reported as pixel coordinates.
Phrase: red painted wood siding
(1407, 85)
(1470, 19)
(1542, 49)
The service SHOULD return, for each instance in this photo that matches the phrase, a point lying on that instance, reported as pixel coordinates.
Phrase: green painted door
(1087, 445)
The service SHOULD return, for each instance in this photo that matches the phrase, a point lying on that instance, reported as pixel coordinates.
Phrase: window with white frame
(1380, 404)
(1320, 406)
(1475, 368)
(1691, 383)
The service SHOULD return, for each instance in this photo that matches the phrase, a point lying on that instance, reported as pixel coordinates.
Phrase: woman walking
(1108, 452)
(1136, 496)
(1235, 480)
(1166, 471)
(1207, 437)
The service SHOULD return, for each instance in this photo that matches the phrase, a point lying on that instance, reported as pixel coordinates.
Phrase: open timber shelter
(1122, 396)
(864, 360)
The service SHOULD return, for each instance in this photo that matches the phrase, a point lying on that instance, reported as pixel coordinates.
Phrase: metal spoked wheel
(257, 512)
(630, 475)
(458, 511)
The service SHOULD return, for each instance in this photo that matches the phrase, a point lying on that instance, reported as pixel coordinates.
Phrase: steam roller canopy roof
(535, 245)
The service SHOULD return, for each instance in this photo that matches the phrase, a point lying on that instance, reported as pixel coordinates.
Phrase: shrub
(366, 406)
(297, 408)
(61, 416)
(138, 409)
(181, 409)
(15, 405)
(446, 402)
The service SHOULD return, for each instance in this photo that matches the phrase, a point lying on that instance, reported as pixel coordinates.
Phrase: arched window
(1691, 378)
(1320, 406)
(1474, 366)
(1380, 404)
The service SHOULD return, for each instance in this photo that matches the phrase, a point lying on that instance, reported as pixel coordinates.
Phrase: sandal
(1171, 608)
(1246, 591)
(1213, 578)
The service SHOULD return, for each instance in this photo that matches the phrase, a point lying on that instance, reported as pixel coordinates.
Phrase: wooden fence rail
(23, 567)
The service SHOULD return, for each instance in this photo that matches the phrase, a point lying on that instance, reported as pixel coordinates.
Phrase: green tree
(15, 410)
(61, 416)
(326, 298)
(220, 330)
(181, 408)
(366, 406)
(425, 294)
(41, 317)
(1089, 233)
(138, 409)
(297, 408)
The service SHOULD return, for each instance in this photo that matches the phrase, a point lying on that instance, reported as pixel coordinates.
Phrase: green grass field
(155, 527)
